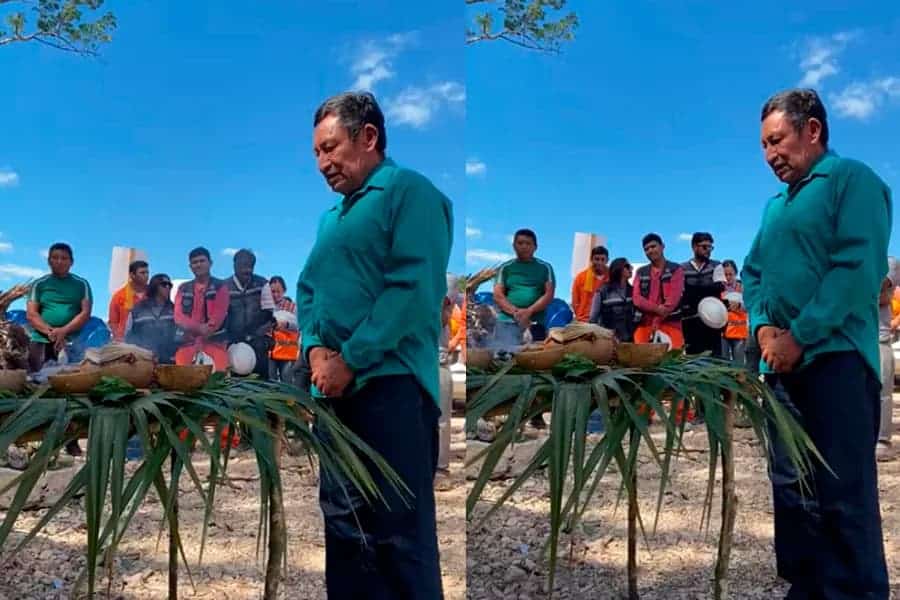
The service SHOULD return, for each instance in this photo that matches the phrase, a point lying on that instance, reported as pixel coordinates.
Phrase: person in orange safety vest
(737, 330)
(286, 350)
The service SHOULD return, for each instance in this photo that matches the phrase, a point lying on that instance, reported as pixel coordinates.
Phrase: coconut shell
(183, 378)
(601, 351)
(138, 373)
(75, 382)
(640, 355)
(480, 358)
(13, 380)
(542, 359)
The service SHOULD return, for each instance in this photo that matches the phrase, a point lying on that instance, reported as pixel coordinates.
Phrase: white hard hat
(713, 313)
(660, 337)
(241, 358)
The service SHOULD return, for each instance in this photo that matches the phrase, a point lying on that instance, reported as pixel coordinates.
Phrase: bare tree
(60, 24)
(533, 24)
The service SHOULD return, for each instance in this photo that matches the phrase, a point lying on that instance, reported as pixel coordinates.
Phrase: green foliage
(576, 387)
(114, 411)
(60, 24)
(533, 24)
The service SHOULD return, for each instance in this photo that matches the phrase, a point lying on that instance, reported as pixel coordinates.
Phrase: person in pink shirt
(657, 292)
(201, 309)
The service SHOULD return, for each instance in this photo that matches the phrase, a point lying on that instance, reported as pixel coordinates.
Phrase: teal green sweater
(819, 258)
(374, 282)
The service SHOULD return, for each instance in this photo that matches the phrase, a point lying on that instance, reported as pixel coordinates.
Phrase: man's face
(243, 269)
(653, 251)
(60, 263)
(345, 162)
(790, 153)
(703, 250)
(524, 247)
(200, 266)
(730, 275)
(141, 276)
(599, 263)
(277, 292)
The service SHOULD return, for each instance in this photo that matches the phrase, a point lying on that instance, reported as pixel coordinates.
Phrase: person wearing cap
(703, 278)
(369, 304)
(811, 283)
(588, 282)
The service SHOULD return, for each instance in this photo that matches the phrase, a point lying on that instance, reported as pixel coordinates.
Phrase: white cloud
(819, 57)
(860, 100)
(476, 256)
(10, 271)
(229, 251)
(6, 247)
(685, 237)
(374, 61)
(416, 106)
(473, 233)
(475, 167)
(8, 177)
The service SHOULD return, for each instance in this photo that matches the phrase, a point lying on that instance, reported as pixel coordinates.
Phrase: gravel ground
(503, 555)
(46, 569)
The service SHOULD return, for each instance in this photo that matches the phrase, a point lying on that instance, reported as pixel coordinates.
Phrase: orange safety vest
(737, 328)
(287, 345)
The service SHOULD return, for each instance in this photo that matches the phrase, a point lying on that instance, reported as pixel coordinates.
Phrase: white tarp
(118, 268)
(581, 250)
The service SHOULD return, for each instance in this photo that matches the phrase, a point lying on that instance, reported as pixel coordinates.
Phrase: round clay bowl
(640, 355)
(77, 382)
(600, 351)
(139, 374)
(540, 360)
(479, 358)
(182, 378)
(13, 380)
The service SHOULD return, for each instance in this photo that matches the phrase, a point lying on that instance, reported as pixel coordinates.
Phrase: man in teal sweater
(369, 308)
(811, 284)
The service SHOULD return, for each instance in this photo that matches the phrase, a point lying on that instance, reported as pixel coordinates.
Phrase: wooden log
(277, 531)
(729, 502)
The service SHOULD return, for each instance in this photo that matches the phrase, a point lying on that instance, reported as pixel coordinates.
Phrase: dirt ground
(503, 555)
(46, 569)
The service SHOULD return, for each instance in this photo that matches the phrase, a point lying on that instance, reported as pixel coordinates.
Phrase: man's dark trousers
(395, 555)
(829, 547)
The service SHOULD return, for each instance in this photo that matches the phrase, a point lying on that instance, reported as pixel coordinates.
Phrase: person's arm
(33, 314)
(115, 316)
(751, 279)
(596, 304)
(309, 338)
(577, 285)
(184, 321)
(858, 258)
(545, 300)
(415, 276)
(129, 324)
(84, 314)
(219, 309)
(641, 303)
(674, 301)
(500, 298)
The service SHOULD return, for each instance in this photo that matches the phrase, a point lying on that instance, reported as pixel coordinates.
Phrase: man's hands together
(330, 373)
(779, 348)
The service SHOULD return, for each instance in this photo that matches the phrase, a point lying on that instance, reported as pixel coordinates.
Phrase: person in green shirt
(58, 307)
(811, 285)
(369, 309)
(524, 287)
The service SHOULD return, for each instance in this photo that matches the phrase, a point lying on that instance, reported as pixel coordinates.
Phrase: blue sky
(649, 121)
(194, 128)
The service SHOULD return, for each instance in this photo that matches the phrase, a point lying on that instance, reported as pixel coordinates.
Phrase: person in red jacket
(658, 287)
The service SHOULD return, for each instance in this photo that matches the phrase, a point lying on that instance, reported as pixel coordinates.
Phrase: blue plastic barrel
(484, 298)
(558, 314)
